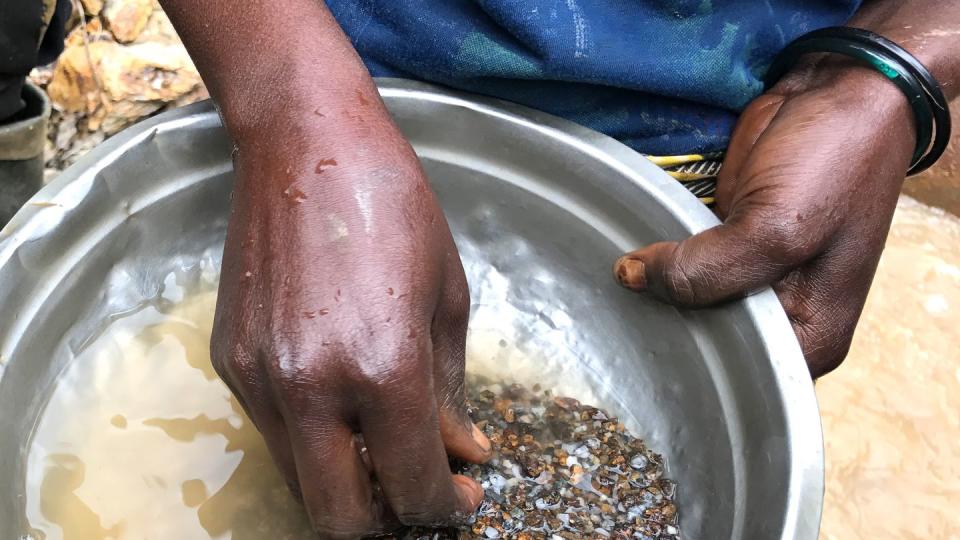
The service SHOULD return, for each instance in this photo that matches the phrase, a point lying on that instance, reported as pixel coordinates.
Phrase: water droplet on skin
(324, 343)
(324, 311)
(325, 164)
(412, 333)
(362, 99)
(318, 113)
(295, 195)
(310, 314)
(336, 297)
(259, 306)
(390, 291)
(248, 275)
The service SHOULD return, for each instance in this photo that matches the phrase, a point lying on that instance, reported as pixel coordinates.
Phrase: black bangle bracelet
(931, 111)
(939, 103)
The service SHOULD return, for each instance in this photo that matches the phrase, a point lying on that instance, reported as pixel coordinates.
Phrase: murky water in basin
(141, 440)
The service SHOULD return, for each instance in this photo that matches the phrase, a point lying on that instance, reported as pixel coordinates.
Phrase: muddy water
(141, 440)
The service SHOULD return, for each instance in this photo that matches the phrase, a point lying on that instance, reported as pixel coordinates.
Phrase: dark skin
(342, 314)
(808, 189)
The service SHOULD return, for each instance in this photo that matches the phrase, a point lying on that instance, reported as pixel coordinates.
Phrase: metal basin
(540, 208)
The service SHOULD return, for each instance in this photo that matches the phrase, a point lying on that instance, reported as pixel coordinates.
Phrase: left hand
(806, 194)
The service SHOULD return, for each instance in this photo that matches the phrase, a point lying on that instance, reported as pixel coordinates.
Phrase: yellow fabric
(697, 172)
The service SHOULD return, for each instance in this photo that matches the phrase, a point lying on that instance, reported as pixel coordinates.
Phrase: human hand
(341, 323)
(806, 195)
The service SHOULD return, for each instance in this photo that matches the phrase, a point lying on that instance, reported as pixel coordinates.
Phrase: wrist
(852, 89)
(326, 161)
(924, 29)
(317, 131)
(302, 106)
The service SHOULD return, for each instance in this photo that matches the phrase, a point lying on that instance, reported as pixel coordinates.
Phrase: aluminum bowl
(540, 208)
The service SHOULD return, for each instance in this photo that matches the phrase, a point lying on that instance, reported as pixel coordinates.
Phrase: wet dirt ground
(891, 412)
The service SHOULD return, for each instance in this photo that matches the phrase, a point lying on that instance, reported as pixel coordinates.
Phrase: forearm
(299, 105)
(930, 30)
(271, 66)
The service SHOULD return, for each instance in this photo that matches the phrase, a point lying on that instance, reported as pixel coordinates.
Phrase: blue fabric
(663, 76)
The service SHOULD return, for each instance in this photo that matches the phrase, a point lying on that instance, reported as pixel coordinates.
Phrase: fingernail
(482, 441)
(471, 494)
(631, 273)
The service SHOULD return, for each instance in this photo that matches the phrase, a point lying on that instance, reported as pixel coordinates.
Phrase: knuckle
(230, 360)
(458, 310)
(787, 243)
(391, 371)
(291, 371)
(454, 309)
(222, 348)
(782, 239)
(825, 336)
(677, 283)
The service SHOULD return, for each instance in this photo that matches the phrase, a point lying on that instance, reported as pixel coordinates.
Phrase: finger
(337, 488)
(402, 432)
(246, 379)
(748, 252)
(461, 437)
(824, 327)
(825, 298)
(751, 124)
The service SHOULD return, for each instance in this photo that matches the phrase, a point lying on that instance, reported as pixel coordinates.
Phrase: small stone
(561, 470)
(126, 18)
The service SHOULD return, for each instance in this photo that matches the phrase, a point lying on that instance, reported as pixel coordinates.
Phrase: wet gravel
(562, 470)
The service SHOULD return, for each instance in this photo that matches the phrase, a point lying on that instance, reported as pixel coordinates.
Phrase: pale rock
(159, 27)
(92, 7)
(126, 18)
(115, 85)
(73, 86)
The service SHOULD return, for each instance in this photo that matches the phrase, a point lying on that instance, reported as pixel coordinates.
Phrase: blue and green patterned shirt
(663, 76)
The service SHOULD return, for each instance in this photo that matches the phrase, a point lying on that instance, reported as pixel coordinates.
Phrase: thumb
(461, 437)
(751, 125)
(728, 261)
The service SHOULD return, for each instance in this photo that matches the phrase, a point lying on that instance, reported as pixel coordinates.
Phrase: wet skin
(343, 305)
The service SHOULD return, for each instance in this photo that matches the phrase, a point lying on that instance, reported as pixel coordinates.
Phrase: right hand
(341, 323)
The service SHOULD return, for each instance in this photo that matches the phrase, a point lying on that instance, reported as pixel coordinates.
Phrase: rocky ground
(122, 62)
(890, 413)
